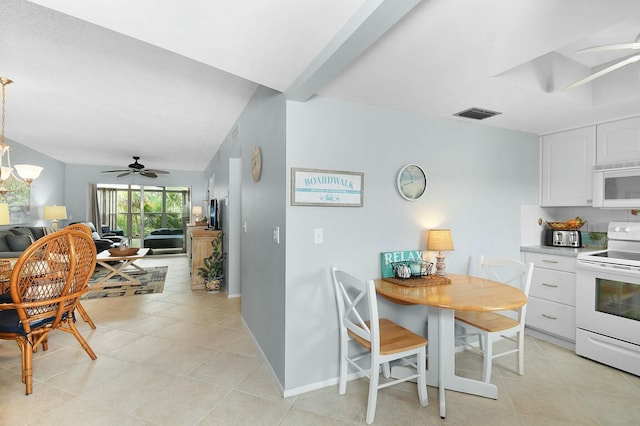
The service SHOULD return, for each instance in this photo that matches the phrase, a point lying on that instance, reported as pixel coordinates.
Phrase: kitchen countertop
(560, 251)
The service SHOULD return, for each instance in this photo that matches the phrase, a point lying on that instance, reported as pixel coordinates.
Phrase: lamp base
(440, 267)
(54, 225)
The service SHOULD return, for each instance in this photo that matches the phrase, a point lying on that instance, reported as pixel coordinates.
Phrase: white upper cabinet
(567, 160)
(619, 141)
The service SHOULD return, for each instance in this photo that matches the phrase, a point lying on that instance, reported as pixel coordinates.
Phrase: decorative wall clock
(412, 182)
(256, 163)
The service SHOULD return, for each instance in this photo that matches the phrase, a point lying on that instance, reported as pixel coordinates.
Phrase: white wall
(262, 124)
(479, 177)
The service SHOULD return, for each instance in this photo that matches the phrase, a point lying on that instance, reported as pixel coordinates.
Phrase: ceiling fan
(605, 48)
(136, 167)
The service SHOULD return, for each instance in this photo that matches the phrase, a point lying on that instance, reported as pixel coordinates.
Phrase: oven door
(608, 300)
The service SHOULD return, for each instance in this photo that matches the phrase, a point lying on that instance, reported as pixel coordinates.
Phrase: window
(126, 207)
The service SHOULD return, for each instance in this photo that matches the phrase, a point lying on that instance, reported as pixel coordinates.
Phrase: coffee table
(106, 260)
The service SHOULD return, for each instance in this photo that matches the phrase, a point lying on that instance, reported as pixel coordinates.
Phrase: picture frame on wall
(326, 188)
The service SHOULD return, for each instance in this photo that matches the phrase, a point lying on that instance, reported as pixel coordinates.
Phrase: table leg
(446, 367)
(119, 271)
(441, 356)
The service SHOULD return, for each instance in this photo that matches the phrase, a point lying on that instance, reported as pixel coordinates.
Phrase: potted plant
(213, 269)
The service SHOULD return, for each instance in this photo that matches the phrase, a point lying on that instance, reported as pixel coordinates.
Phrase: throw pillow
(3, 243)
(18, 242)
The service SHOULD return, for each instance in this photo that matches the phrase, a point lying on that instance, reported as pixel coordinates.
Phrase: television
(214, 214)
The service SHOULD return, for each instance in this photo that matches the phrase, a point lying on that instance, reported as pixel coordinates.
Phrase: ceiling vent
(477, 113)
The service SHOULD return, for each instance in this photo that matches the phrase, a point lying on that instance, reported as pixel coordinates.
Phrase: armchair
(106, 241)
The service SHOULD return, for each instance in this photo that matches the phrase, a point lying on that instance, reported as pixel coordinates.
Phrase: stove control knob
(627, 229)
(617, 229)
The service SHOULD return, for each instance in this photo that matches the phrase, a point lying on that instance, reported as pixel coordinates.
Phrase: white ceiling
(98, 81)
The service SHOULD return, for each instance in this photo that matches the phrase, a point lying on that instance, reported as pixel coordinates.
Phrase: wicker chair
(83, 313)
(45, 286)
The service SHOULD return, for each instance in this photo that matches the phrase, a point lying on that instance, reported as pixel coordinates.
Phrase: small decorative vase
(213, 286)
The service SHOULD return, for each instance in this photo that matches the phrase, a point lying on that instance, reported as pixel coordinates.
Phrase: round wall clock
(256, 163)
(412, 182)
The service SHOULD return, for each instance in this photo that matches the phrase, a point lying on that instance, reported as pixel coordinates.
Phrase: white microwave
(616, 186)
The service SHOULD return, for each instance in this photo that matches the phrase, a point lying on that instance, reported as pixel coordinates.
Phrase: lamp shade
(196, 210)
(29, 172)
(4, 214)
(55, 212)
(440, 240)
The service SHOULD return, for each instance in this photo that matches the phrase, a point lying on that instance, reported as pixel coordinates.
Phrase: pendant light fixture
(26, 172)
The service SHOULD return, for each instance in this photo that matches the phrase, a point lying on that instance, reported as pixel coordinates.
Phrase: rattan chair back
(46, 284)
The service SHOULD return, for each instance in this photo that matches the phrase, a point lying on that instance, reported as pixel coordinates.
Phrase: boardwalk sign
(310, 187)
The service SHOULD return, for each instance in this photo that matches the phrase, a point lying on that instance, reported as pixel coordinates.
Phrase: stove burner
(622, 255)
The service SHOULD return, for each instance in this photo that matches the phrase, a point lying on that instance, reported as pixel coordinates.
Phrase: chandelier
(26, 172)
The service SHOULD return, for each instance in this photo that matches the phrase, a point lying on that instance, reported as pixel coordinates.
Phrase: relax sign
(388, 258)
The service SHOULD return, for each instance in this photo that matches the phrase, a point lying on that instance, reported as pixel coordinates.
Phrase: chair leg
(342, 387)
(373, 392)
(81, 340)
(386, 370)
(422, 377)
(488, 358)
(521, 352)
(85, 316)
(27, 364)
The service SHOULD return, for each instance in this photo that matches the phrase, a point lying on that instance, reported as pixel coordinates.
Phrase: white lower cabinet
(551, 307)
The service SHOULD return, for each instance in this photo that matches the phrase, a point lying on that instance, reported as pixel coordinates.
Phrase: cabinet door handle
(549, 261)
(549, 317)
(550, 285)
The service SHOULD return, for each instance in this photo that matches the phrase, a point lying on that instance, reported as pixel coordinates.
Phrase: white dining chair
(383, 340)
(487, 326)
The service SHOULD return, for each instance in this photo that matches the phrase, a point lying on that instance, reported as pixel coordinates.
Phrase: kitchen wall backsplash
(594, 240)
(597, 221)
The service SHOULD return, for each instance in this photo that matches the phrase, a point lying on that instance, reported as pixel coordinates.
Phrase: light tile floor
(186, 358)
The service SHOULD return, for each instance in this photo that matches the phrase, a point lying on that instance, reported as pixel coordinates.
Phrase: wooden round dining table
(464, 293)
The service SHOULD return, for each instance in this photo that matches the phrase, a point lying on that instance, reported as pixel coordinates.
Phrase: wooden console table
(200, 247)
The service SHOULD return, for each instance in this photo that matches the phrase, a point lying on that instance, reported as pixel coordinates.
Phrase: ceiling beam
(363, 29)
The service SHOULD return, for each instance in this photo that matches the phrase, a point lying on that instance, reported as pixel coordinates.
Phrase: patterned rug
(151, 282)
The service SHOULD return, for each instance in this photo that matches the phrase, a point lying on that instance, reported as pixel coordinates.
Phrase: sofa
(165, 238)
(13, 241)
(106, 241)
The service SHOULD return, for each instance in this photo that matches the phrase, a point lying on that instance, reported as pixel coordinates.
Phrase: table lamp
(4, 214)
(440, 240)
(196, 211)
(54, 213)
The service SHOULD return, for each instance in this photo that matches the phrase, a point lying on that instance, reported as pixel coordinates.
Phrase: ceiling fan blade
(602, 72)
(115, 171)
(161, 172)
(148, 174)
(606, 47)
(124, 174)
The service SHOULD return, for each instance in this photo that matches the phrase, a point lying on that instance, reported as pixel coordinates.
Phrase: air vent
(477, 113)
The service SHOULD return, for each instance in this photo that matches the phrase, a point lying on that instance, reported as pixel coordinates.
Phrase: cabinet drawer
(551, 317)
(554, 286)
(549, 261)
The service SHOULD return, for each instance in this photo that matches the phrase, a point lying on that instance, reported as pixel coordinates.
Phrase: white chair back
(508, 271)
(355, 298)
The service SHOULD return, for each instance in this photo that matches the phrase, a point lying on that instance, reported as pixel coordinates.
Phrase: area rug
(151, 282)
